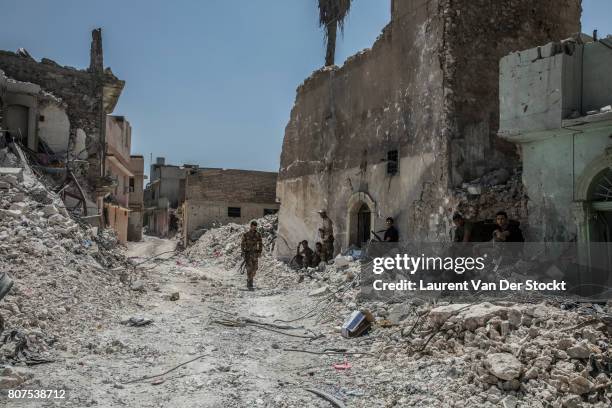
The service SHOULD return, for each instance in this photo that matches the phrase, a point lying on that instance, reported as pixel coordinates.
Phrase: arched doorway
(600, 196)
(361, 213)
(600, 222)
(593, 214)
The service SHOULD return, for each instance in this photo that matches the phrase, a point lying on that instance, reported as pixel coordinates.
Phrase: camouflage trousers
(251, 265)
(329, 249)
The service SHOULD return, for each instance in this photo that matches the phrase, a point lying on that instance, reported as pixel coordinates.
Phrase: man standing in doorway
(327, 234)
(252, 248)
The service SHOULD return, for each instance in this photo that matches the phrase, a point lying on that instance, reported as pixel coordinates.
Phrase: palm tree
(331, 16)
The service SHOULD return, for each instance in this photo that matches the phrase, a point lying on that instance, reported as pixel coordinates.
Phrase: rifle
(242, 267)
(377, 236)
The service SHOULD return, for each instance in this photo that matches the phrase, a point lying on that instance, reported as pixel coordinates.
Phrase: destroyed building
(395, 129)
(65, 108)
(126, 173)
(215, 197)
(556, 105)
(163, 197)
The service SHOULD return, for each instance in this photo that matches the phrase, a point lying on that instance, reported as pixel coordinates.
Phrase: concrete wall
(169, 183)
(121, 190)
(157, 221)
(137, 168)
(545, 93)
(134, 232)
(118, 221)
(206, 214)
(542, 86)
(136, 199)
(209, 193)
(119, 137)
(54, 130)
(551, 169)
(597, 78)
(427, 88)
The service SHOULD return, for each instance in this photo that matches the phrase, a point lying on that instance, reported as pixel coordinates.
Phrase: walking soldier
(251, 251)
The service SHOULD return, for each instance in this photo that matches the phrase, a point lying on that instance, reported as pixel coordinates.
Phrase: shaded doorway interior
(363, 225)
(17, 122)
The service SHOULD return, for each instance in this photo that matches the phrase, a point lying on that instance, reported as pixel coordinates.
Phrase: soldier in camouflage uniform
(251, 251)
(326, 231)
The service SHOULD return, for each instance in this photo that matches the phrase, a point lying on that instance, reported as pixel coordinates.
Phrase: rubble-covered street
(181, 330)
(349, 204)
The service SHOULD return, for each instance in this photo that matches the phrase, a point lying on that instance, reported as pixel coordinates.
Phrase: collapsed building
(398, 128)
(215, 197)
(60, 118)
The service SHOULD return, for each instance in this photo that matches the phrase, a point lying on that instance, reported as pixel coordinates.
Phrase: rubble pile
(502, 354)
(61, 286)
(221, 246)
(536, 354)
(499, 190)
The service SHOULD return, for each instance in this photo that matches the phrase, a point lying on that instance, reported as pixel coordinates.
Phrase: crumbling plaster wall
(345, 120)
(427, 88)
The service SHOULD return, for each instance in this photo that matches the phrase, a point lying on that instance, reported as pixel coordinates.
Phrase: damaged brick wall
(428, 88)
(88, 94)
(210, 192)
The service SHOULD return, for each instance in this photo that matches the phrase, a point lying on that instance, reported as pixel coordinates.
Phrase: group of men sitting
(504, 230)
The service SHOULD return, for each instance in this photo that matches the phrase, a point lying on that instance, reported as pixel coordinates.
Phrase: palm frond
(333, 12)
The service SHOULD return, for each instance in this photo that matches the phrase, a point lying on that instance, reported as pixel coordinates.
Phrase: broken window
(131, 184)
(233, 212)
(392, 162)
(270, 211)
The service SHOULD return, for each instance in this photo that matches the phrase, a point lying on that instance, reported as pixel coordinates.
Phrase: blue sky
(210, 82)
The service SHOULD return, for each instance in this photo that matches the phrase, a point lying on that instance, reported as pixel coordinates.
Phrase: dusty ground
(106, 362)
(240, 366)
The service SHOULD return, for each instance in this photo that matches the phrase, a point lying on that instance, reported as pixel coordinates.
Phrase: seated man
(463, 230)
(506, 230)
(304, 255)
(391, 233)
(319, 254)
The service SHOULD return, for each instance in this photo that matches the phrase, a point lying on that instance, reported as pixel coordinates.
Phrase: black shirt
(391, 234)
(516, 235)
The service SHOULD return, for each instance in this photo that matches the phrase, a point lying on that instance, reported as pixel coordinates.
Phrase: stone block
(6, 172)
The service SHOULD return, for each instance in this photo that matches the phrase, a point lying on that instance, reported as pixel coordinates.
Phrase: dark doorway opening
(363, 225)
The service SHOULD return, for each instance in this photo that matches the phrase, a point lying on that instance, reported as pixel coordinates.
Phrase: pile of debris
(526, 354)
(499, 190)
(221, 246)
(61, 285)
